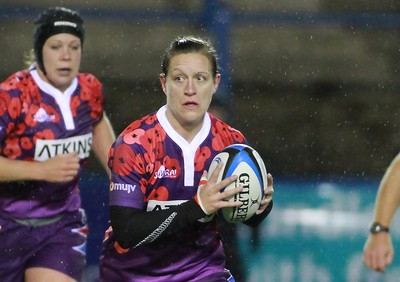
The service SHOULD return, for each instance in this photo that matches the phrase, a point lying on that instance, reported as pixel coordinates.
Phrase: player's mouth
(191, 104)
(64, 71)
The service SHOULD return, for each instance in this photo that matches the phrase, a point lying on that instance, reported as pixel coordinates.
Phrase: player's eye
(75, 47)
(179, 78)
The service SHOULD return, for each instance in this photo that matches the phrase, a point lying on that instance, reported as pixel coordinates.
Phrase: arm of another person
(61, 168)
(378, 249)
(103, 137)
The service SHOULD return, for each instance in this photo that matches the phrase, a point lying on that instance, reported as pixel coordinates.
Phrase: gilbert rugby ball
(245, 162)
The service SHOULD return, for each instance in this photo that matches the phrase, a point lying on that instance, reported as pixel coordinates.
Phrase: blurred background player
(51, 117)
(378, 249)
(162, 207)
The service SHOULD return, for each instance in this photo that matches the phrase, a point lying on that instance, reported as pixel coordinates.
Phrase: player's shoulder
(224, 129)
(140, 135)
(88, 79)
(141, 125)
(15, 80)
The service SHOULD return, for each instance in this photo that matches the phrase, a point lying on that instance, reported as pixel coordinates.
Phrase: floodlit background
(313, 84)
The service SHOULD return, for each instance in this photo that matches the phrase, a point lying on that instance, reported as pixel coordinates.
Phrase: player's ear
(216, 82)
(163, 81)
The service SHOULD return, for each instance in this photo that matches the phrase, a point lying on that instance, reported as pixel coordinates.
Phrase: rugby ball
(245, 162)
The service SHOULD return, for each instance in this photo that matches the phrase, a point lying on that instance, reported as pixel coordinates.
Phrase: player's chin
(192, 117)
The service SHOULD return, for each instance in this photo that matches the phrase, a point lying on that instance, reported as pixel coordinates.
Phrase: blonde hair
(29, 58)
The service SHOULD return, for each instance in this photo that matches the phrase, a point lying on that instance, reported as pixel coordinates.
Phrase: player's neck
(187, 130)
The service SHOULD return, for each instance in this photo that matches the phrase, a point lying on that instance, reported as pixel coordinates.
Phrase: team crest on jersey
(165, 173)
(42, 116)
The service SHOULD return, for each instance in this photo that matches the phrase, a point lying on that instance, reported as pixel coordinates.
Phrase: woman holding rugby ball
(162, 207)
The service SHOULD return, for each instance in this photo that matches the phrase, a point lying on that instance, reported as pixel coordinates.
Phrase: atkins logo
(81, 145)
(165, 173)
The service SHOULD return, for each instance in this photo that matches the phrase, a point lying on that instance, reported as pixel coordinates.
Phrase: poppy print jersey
(38, 122)
(153, 168)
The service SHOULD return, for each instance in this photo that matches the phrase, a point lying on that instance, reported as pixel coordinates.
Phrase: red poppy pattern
(29, 114)
(144, 156)
(21, 100)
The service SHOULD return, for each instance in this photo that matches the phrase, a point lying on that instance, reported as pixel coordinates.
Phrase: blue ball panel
(243, 156)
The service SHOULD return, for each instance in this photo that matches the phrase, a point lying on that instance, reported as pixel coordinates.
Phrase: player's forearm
(388, 198)
(132, 227)
(16, 170)
(103, 137)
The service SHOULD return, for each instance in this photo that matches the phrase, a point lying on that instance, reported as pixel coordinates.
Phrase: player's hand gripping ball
(246, 163)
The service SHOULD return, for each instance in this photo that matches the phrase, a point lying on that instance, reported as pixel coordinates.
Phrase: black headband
(54, 21)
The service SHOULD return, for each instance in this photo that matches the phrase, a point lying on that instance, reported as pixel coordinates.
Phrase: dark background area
(314, 85)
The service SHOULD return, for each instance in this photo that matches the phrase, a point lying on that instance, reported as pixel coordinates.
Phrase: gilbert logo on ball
(245, 162)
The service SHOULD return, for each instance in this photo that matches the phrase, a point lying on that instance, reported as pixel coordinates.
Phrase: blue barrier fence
(94, 191)
(315, 232)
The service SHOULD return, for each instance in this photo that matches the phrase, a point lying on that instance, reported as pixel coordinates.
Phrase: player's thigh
(41, 274)
(64, 250)
(15, 250)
